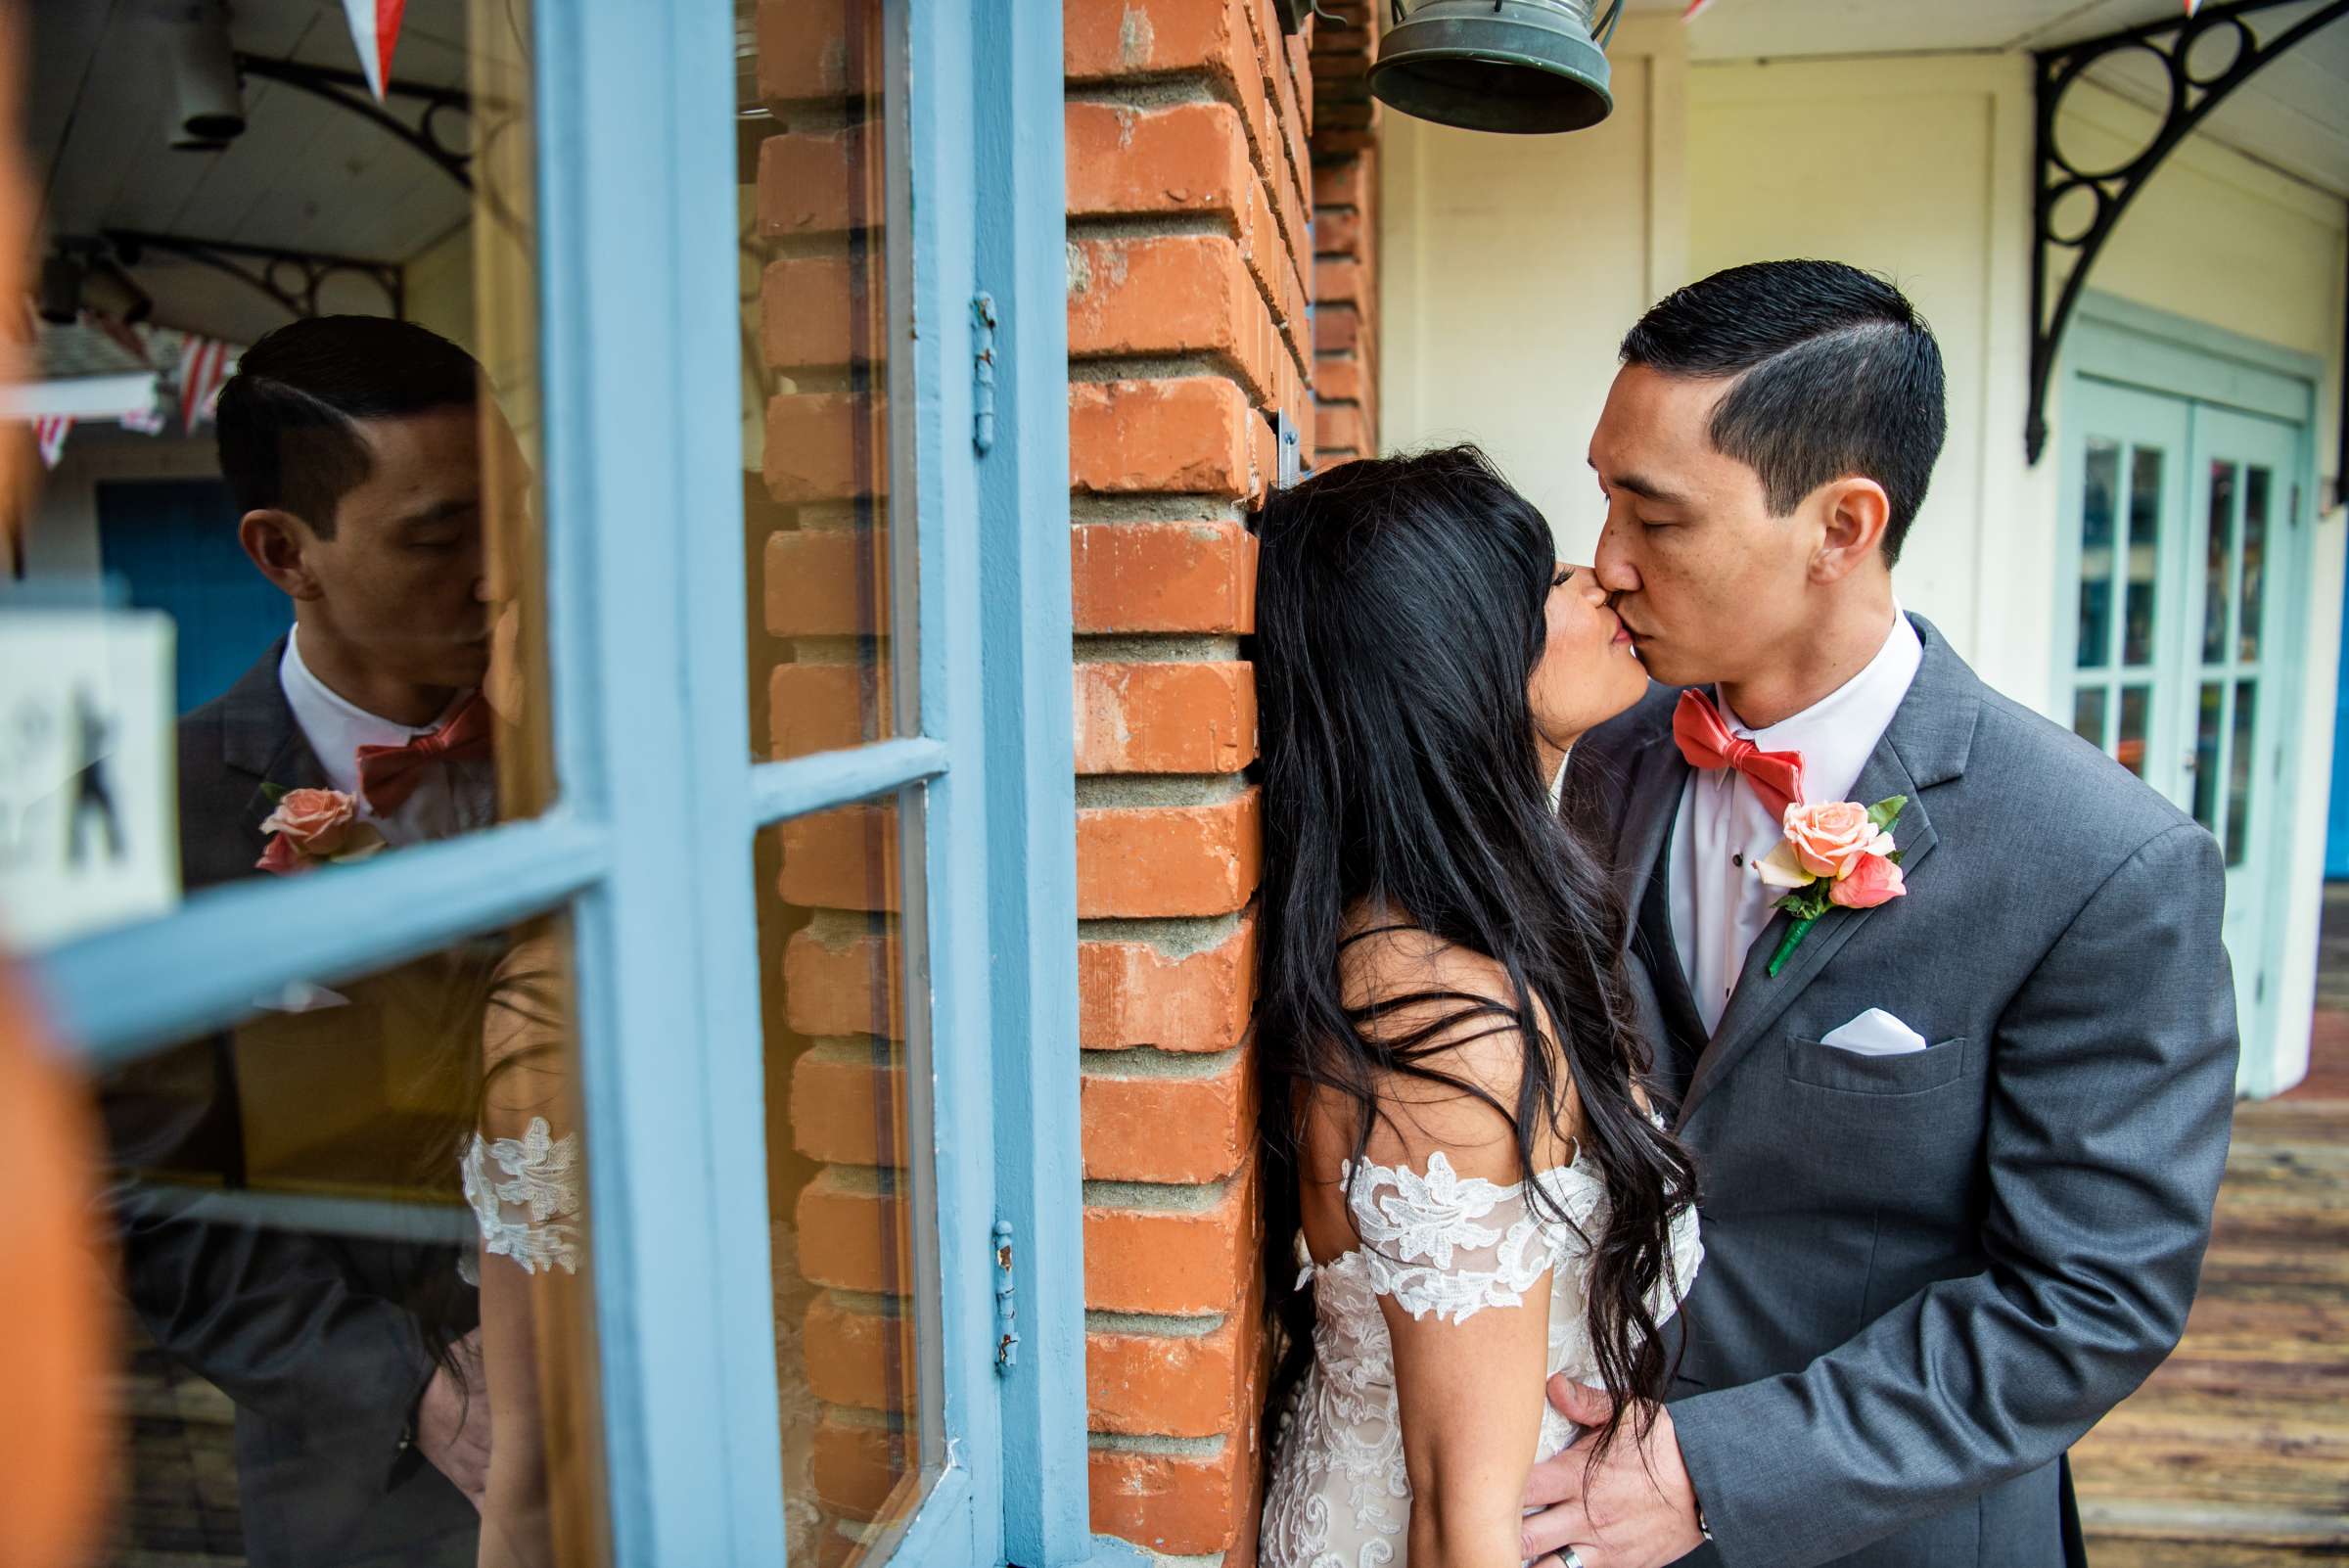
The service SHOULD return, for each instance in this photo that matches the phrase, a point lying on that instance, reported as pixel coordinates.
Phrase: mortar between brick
(1144, 649)
(1177, 938)
(1148, 1061)
(1133, 790)
(1156, 1197)
(1157, 1324)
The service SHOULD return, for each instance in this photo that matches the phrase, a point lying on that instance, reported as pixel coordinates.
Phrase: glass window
(2098, 507)
(2136, 704)
(2240, 771)
(2145, 554)
(849, 1134)
(291, 538)
(2218, 586)
(2088, 714)
(351, 1231)
(818, 182)
(2209, 729)
(2257, 481)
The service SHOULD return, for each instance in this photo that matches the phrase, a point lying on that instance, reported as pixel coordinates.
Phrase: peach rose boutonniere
(1837, 855)
(311, 828)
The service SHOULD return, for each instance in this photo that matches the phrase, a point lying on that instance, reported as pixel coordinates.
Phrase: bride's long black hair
(1401, 607)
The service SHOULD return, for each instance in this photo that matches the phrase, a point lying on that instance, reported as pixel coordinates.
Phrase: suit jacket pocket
(1821, 1066)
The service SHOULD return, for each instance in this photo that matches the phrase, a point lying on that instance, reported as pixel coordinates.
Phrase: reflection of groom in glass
(353, 447)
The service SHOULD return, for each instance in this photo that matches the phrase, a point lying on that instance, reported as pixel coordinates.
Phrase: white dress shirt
(453, 797)
(1720, 903)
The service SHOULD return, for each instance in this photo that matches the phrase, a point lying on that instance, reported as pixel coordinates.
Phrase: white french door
(2179, 636)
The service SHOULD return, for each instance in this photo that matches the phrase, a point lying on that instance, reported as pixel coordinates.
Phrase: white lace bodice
(1439, 1243)
(532, 1214)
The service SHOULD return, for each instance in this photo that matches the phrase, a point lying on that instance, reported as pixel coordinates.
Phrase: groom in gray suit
(1959, 1146)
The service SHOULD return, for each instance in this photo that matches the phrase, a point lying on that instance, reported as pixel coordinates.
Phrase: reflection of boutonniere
(1838, 855)
(313, 828)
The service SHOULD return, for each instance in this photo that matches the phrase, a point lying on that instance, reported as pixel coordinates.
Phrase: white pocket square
(1874, 1032)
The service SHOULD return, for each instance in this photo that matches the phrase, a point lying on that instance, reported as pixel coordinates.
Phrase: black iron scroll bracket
(292, 278)
(348, 90)
(2207, 57)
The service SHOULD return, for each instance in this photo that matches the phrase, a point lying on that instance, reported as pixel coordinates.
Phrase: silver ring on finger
(1572, 1559)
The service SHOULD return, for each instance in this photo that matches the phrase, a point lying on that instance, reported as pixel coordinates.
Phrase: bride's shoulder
(1446, 1020)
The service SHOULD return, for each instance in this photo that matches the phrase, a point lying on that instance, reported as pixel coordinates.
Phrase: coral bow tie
(389, 774)
(1777, 777)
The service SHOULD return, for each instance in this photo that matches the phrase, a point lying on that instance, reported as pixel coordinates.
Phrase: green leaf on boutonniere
(1885, 813)
(274, 793)
(1791, 940)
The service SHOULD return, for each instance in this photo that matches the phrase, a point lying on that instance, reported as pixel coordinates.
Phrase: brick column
(1189, 266)
(1345, 149)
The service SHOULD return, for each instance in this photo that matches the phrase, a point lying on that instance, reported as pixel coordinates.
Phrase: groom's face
(1707, 581)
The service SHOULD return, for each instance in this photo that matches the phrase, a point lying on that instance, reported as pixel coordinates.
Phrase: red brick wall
(1344, 148)
(1191, 262)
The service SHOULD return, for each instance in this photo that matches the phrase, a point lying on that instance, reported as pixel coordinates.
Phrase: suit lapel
(1657, 777)
(1925, 746)
(261, 739)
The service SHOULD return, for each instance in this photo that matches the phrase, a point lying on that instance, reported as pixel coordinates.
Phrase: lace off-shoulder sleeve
(1445, 1243)
(525, 1194)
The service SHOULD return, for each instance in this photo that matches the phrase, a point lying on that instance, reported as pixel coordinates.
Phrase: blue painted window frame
(649, 845)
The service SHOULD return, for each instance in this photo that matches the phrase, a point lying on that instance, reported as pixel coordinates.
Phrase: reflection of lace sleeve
(1446, 1243)
(528, 1210)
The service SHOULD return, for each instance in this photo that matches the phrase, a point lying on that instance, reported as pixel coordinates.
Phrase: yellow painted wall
(1511, 266)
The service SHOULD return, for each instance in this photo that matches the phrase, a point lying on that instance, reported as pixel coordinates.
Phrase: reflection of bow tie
(1777, 777)
(389, 774)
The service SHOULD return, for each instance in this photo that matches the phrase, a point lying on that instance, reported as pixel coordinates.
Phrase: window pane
(2088, 714)
(2256, 483)
(292, 537)
(2130, 750)
(2240, 773)
(851, 1141)
(2145, 554)
(2209, 723)
(822, 305)
(351, 1226)
(2096, 507)
(2217, 589)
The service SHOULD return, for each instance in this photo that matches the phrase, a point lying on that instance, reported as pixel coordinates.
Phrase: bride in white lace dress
(1457, 1145)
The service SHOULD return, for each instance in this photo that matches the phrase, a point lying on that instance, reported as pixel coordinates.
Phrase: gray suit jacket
(1927, 1274)
(311, 1336)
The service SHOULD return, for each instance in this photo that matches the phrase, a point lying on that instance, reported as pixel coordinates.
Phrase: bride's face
(1588, 670)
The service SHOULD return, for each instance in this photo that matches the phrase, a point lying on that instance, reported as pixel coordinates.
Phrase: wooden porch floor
(2236, 1451)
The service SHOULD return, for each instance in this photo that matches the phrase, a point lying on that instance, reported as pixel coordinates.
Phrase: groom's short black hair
(1836, 371)
(287, 417)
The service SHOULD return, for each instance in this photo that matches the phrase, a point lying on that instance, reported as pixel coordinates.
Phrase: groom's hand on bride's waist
(1634, 1508)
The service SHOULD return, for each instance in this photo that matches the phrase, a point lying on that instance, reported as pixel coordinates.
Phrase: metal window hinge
(982, 394)
(1007, 1334)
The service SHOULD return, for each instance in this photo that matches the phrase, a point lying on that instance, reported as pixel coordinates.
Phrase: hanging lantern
(1520, 65)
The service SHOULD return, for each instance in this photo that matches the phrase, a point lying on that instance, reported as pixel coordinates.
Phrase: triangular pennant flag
(204, 364)
(375, 33)
(2192, 6)
(1696, 9)
(51, 432)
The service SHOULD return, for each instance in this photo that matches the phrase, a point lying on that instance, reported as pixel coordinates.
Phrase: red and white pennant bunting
(203, 367)
(375, 30)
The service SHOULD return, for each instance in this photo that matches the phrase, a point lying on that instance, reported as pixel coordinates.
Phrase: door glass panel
(302, 519)
(2136, 707)
(849, 1140)
(2088, 714)
(2145, 554)
(327, 1290)
(2097, 505)
(2240, 771)
(2218, 586)
(822, 305)
(2208, 727)
(2257, 481)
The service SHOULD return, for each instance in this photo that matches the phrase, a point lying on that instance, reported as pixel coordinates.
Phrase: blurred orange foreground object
(56, 1329)
(56, 1324)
